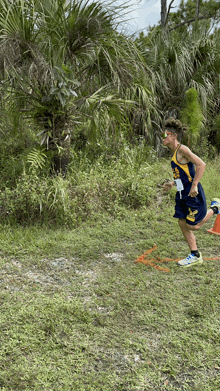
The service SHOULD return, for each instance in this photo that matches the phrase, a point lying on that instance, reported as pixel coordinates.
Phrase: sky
(144, 13)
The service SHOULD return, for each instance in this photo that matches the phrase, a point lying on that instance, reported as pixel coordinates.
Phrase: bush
(36, 199)
(98, 189)
(108, 187)
(192, 116)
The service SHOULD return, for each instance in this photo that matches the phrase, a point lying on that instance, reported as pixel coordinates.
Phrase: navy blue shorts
(193, 209)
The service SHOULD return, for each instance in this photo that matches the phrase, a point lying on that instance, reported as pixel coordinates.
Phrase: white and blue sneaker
(215, 204)
(191, 260)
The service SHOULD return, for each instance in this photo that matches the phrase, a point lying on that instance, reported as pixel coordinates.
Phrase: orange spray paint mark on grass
(149, 261)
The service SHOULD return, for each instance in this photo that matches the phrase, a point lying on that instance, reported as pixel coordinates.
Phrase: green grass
(78, 314)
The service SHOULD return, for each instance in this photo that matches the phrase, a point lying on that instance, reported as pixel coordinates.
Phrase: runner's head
(174, 126)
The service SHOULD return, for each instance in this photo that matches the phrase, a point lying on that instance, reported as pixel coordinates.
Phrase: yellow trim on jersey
(184, 167)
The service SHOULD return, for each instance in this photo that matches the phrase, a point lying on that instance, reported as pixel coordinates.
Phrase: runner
(190, 206)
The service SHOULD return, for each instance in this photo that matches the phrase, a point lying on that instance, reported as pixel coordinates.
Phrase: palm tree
(179, 62)
(66, 61)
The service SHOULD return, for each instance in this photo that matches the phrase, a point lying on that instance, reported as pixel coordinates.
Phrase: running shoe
(216, 202)
(191, 260)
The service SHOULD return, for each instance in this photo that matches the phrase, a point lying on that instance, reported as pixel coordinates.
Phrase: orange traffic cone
(216, 228)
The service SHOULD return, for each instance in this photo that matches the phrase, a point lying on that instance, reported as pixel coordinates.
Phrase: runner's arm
(200, 168)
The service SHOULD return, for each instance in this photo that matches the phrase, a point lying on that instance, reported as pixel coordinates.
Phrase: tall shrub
(192, 117)
(217, 132)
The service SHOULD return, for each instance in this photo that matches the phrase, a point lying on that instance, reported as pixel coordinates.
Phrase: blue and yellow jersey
(193, 209)
(184, 172)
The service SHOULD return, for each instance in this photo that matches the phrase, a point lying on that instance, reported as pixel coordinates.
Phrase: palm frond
(17, 19)
(36, 158)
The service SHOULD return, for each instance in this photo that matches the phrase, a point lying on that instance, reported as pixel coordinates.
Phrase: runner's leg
(188, 234)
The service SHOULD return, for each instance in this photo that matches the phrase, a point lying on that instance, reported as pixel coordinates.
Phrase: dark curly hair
(175, 126)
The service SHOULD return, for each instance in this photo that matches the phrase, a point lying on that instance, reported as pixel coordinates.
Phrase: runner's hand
(167, 186)
(193, 191)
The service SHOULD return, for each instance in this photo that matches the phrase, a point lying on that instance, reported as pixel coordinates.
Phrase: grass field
(77, 313)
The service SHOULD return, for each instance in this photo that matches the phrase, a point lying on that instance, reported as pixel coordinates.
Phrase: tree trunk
(197, 9)
(60, 160)
(163, 12)
(60, 165)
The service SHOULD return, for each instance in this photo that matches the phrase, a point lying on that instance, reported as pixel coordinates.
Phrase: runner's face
(167, 137)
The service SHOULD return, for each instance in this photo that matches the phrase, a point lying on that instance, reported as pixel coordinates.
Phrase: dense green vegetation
(77, 95)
